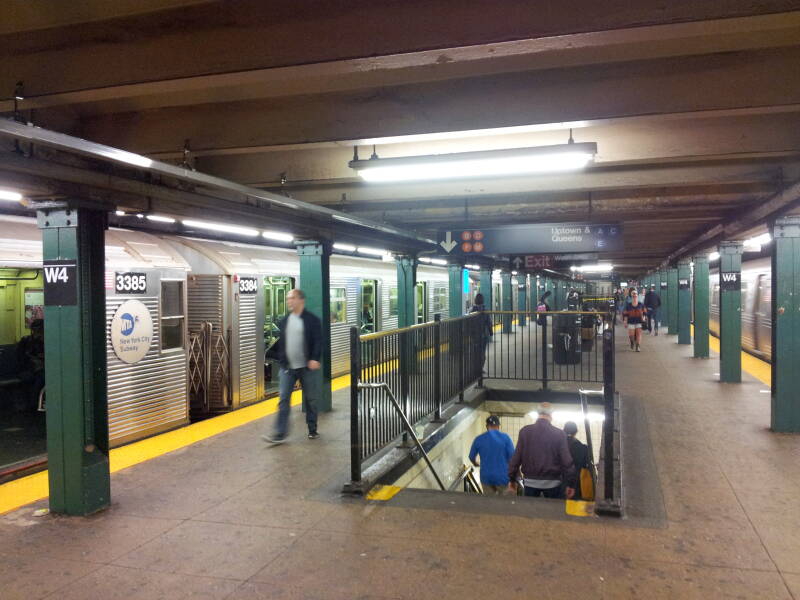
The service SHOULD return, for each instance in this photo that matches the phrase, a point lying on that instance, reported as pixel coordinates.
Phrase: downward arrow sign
(448, 244)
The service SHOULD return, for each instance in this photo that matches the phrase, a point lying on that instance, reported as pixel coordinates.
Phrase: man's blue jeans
(311, 382)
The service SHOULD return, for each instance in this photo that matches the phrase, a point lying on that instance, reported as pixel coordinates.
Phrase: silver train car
(756, 307)
(213, 307)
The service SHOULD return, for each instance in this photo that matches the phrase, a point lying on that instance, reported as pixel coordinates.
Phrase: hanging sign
(663, 285)
(730, 282)
(131, 331)
(130, 283)
(537, 238)
(683, 284)
(60, 283)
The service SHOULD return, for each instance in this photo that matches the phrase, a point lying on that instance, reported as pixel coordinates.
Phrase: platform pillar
(455, 276)
(700, 304)
(786, 325)
(730, 312)
(535, 293)
(522, 298)
(315, 281)
(663, 293)
(672, 309)
(508, 305)
(684, 302)
(485, 283)
(75, 358)
(406, 290)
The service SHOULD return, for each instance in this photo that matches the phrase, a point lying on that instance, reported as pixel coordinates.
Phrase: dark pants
(547, 493)
(652, 318)
(311, 382)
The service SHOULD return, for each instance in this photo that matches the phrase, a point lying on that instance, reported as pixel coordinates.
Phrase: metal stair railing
(406, 423)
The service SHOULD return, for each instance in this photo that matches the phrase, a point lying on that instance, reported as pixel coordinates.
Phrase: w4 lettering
(56, 274)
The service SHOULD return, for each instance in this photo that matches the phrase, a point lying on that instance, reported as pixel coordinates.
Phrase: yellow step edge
(25, 490)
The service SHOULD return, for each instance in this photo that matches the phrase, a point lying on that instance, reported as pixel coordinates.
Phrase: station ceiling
(694, 106)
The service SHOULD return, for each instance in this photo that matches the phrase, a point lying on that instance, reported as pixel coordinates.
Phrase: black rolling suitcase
(566, 339)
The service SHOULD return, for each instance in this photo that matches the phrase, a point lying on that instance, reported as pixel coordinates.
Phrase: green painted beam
(485, 286)
(730, 308)
(786, 325)
(684, 302)
(455, 276)
(406, 293)
(505, 282)
(701, 303)
(672, 290)
(75, 358)
(315, 281)
(522, 299)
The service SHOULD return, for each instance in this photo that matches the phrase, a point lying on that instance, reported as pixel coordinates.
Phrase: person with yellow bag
(584, 490)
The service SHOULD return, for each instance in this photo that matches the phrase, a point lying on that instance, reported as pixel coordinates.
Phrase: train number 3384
(130, 283)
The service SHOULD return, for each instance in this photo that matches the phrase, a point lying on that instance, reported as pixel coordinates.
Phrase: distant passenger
(633, 318)
(485, 325)
(299, 352)
(652, 302)
(30, 358)
(580, 456)
(495, 449)
(543, 457)
(544, 306)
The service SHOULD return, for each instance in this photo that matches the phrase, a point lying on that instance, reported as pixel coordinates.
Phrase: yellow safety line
(25, 490)
(756, 367)
(383, 492)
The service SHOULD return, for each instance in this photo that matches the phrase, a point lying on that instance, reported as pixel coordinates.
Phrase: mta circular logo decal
(131, 331)
(128, 324)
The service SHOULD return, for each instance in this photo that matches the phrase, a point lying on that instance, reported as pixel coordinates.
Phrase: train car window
(368, 316)
(172, 317)
(422, 301)
(338, 305)
(393, 310)
(440, 300)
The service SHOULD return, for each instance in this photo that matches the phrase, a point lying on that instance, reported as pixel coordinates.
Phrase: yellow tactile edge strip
(25, 490)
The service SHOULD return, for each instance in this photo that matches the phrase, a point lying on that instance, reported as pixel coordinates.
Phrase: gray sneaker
(273, 438)
(313, 435)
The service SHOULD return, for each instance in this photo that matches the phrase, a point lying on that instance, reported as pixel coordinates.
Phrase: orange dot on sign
(478, 246)
(466, 235)
(466, 247)
(478, 235)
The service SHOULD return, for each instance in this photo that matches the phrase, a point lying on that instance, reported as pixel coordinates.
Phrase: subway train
(756, 306)
(212, 307)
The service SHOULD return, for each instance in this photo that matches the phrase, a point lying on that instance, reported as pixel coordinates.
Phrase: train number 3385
(130, 283)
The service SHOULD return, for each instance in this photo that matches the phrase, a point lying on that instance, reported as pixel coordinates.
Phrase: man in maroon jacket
(543, 455)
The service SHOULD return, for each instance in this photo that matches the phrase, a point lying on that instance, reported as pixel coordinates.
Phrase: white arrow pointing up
(517, 261)
(448, 244)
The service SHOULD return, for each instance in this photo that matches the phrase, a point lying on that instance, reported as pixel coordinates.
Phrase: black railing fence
(430, 365)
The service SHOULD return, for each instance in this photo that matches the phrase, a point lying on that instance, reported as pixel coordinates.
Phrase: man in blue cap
(495, 449)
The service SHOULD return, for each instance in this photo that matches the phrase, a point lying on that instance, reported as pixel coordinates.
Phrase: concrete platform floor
(232, 518)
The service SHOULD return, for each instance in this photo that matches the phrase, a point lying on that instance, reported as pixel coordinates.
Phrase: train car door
(762, 333)
(496, 299)
(368, 309)
(422, 301)
(275, 291)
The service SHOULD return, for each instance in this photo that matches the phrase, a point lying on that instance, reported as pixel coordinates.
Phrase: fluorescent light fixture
(160, 219)
(600, 268)
(513, 272)
(119, 213)
(372, 251)
(425, 259)
(438, 261)
(473, 133)
(10, 196)
(474, 267)
(575, 416)
(246, 231)
(490, 163)
(344, 247)
(754, 244)
(139, 216)
(278, 236)
(713, 256)
(573, 268)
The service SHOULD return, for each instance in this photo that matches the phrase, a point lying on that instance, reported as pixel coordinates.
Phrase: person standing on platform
(544, 306)
(486, 325)
(542, 455)
(652, 302)
(633, 319)
(495, 449)
(299, 351)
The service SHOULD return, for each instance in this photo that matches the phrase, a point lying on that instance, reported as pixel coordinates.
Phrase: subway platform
(231, 517)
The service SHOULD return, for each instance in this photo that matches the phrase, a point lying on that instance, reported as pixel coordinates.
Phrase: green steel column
(522, 299)
(505, 283)
(315, 281)
(684, 302)
(455, 273)
(786, 325)
(701, 306)
(406, 284)
(730, 312)
(75, 358)
(485, 286)
(556, 304)
(535, 293)
(664, 295)
(672, 292)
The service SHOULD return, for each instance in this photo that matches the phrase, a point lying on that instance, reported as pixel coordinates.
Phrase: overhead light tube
(220, 227)
(344, 247)
(10, 196)
(159, 219)
(372, 251)
(278, 236)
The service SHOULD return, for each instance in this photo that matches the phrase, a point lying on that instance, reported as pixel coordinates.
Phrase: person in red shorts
(632, 317)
